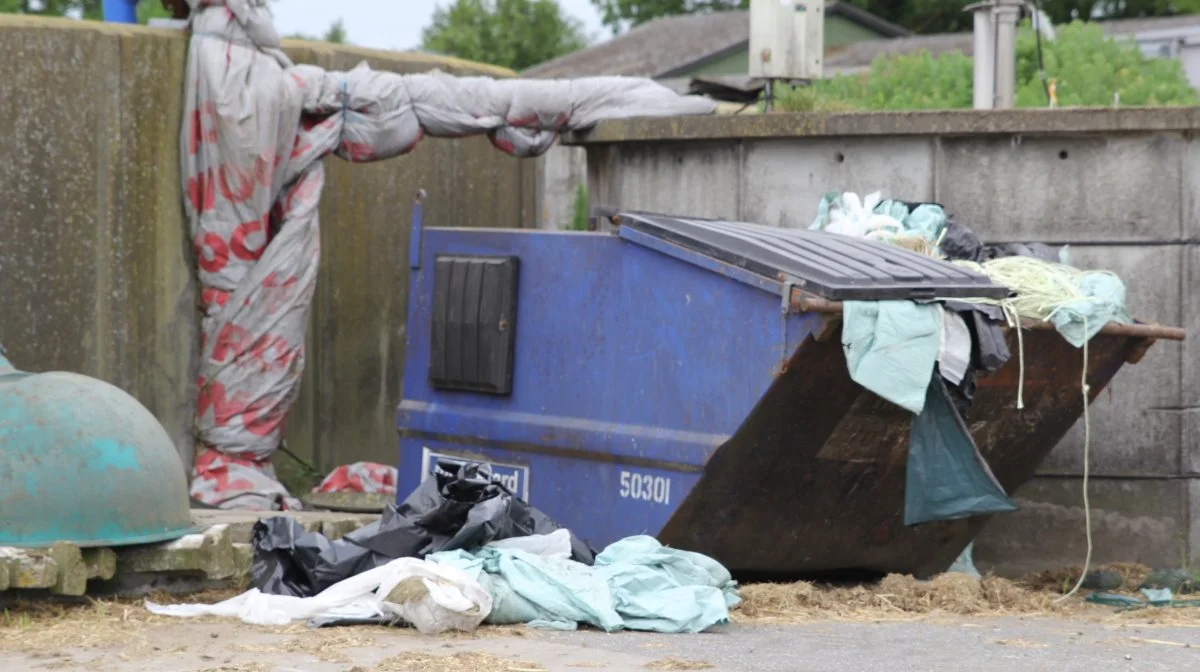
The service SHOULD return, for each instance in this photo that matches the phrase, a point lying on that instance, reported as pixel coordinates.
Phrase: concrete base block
(209, 554)
(220, 557)
(28, 570)
(72, 575)
(1133, 520)
(243, 562)
(101, 563)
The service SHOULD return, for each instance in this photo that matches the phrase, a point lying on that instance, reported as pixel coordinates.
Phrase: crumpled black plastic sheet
(460, 506)
(960, 242)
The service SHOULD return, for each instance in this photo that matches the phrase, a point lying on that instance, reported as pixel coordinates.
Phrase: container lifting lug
(785, 308)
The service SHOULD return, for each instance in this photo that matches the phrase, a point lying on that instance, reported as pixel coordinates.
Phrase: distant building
(675, 49)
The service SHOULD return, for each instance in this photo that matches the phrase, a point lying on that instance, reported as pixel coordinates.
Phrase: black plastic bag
(960, 243)
(461, 506)
(985, 322)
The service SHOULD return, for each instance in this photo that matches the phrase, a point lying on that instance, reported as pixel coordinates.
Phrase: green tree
(919, 16)
(516, 34)
(1087, 68)
(617, 14)
(151, 9)
(336, 34)
(579, 210)
(90, 9)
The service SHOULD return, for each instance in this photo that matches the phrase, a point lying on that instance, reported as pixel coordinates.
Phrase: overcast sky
(388, 24)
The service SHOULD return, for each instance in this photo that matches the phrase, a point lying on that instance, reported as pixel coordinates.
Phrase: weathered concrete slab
(219, 556)
(560, 172)
(26, 570)
(1072, 188)
(72, 571)
(783, 181)
(240, 523)
(1133, 520)
(695, 179)
(209, 554)
(101, 563)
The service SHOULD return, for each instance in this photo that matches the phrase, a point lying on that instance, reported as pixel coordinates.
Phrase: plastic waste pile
(925, 356)
(462, 550)
(256, 128)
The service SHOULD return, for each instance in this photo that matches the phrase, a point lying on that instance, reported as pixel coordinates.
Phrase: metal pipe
(120, 11)
(804, 302)
(1006, 14)
(984, 85)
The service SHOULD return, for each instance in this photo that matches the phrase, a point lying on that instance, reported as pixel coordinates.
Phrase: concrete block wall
(1122, 188)
(96, 266)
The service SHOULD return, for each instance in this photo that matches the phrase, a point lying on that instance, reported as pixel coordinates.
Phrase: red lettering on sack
(276, 293)
(232, 341)
(300, 147)
(211, 252)
(530, 119)
(213, 396)
(244, 230)
(358, 152)
(263, 416)
(242, 187)
(200, 192)
(212, 296)
(505, 146)
(200, 132)
(283, 353)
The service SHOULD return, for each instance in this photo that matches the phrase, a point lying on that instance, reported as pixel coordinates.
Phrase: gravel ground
(974, 644)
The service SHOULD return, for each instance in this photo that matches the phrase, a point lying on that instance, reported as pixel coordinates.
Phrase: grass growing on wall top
(579, 214)
(1087, 67)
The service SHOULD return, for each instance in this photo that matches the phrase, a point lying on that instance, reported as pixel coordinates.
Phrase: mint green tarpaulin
(891, 347)
(636, 584)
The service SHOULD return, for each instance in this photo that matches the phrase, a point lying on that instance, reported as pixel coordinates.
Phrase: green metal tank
(84, 462)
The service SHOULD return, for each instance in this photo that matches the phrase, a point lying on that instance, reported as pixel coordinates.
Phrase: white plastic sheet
(434, 598)
(256, 128)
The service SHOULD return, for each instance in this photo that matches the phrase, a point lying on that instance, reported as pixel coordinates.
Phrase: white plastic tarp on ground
(433, 598)
(256, 128)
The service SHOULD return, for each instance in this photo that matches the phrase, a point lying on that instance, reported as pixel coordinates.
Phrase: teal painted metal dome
(82, 461)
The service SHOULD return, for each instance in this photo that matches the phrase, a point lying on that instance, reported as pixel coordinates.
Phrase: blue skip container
(684, 378)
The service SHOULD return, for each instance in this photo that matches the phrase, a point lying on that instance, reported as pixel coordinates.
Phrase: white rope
(1087, 507)
(1041, 289)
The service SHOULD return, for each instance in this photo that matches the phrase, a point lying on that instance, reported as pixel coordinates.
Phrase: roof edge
(866, 19)
(681, 70)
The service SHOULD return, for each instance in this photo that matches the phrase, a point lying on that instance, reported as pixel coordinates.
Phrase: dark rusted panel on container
(813, 481)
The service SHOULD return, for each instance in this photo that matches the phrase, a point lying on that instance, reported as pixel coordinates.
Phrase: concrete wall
(1122, 188)
(95, 268)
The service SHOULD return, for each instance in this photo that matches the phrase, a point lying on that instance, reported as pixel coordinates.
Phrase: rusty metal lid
(829, 265)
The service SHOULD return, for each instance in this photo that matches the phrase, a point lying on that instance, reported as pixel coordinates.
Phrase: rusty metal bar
(809, 303)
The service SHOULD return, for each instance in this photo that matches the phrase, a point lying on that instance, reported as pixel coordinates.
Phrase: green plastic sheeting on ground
(666, 590)
(1154, 598)
(891, 348)
(947, 477)
(548, 592)
(636, 584)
